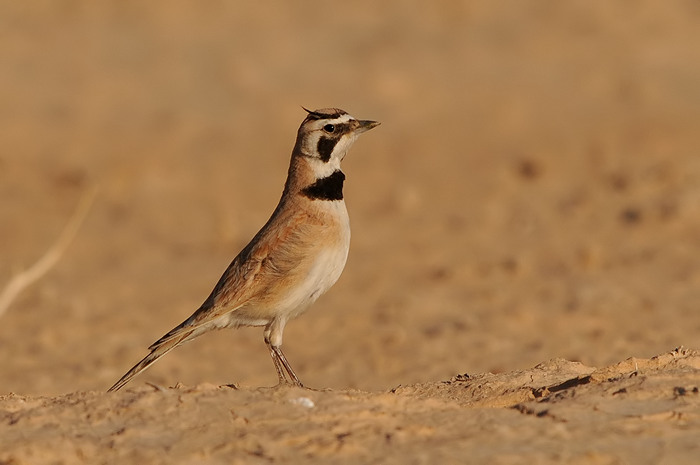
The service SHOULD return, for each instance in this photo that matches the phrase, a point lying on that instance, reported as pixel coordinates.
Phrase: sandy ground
(556, 412)
(530, 200)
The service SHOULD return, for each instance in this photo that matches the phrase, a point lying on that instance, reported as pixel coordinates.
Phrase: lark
(295, 258)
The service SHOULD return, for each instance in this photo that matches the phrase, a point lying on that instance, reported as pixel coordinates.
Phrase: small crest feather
(324, 113)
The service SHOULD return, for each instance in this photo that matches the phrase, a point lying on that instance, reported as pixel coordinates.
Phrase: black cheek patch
(325, 148)
(328, 188)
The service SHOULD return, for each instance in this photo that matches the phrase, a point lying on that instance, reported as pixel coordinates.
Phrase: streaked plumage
(296, 257)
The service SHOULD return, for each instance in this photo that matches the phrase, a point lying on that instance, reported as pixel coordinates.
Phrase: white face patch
(323, 168)
(326, 136)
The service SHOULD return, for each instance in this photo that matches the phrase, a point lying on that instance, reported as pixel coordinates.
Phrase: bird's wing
(272, 255)
(270, 258)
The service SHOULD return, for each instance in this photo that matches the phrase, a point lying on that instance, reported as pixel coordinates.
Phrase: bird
(295, 258)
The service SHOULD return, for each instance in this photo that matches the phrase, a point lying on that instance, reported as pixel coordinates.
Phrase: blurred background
(532, 192)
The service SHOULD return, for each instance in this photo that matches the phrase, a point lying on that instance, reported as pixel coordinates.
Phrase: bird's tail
(158, 349)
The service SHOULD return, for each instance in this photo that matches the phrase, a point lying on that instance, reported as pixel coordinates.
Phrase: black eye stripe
(325, 147)
(338, 128)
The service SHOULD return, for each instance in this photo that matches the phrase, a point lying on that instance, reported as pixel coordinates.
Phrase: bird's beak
(365, 126)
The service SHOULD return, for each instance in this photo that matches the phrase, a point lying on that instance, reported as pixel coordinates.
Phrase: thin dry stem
(26, 278)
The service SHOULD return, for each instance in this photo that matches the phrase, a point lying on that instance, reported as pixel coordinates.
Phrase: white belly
(293, 298)
(325, 270)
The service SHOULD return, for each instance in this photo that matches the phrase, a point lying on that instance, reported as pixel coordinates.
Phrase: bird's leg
(273, 340)
(281, 379)
(286, 365)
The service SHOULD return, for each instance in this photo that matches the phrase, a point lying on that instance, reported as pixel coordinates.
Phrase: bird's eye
(329, 128)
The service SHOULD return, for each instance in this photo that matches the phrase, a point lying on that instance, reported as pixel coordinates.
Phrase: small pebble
(303, 401)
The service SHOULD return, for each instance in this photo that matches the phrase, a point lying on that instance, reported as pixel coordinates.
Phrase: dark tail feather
(157, 351)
